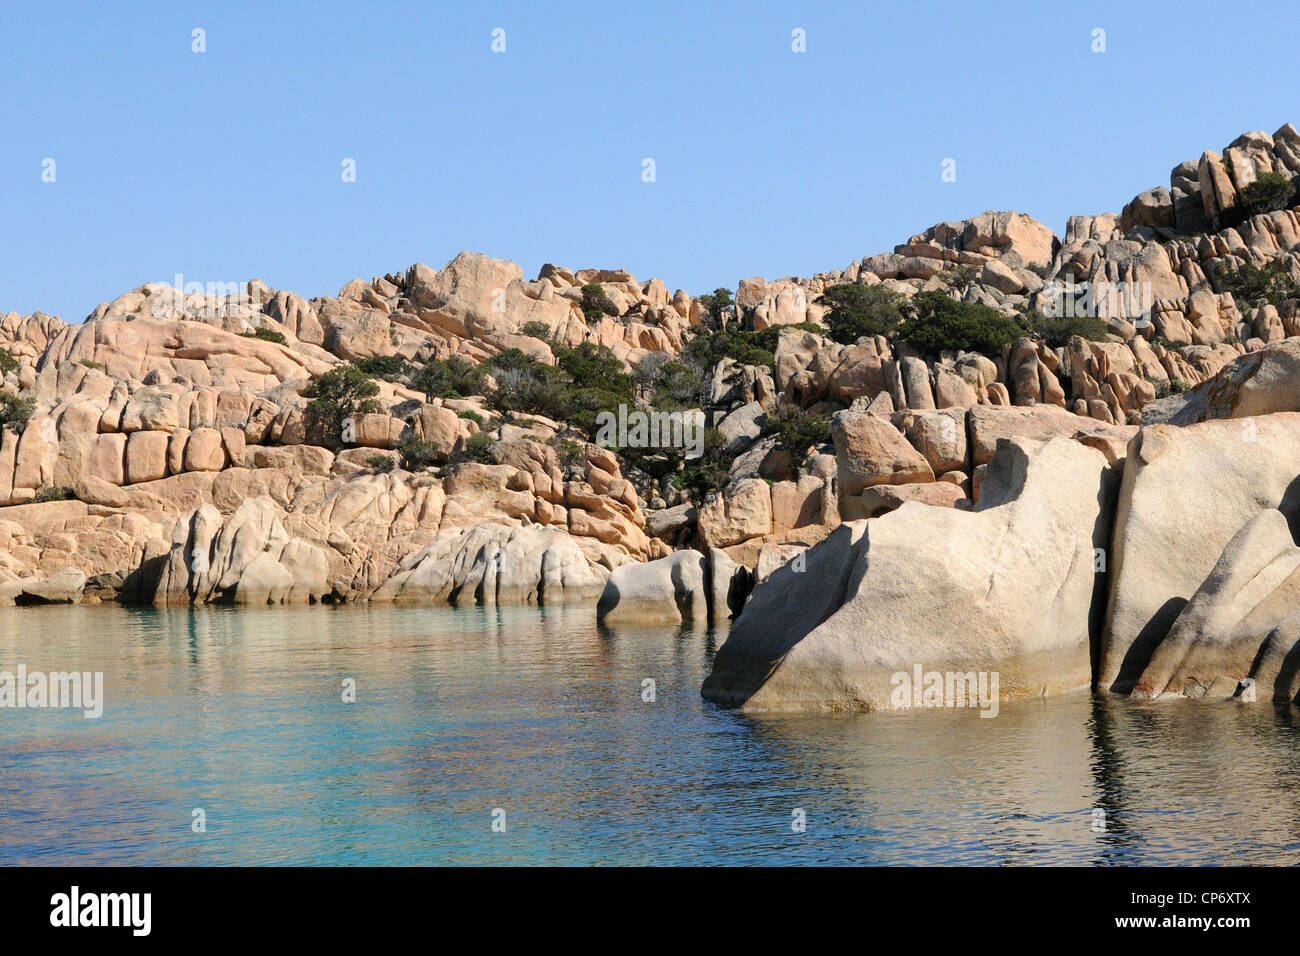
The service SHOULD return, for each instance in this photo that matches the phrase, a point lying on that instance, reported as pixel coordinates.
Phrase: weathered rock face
(245, 558)
(64, 587)
(1185, 493)
(1239, 612)
(167, 411)
(492, 564)
(1007, 588)
(1260, 383)
(685, 586)
(869, 452)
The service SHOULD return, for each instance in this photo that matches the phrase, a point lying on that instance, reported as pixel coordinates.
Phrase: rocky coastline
(1110, 503)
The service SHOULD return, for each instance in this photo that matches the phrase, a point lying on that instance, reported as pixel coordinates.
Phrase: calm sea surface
(540, 715)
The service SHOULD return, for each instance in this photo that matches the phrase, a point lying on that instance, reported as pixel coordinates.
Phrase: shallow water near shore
(540, 714)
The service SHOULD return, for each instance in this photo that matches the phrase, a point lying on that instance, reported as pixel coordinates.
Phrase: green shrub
(16, 412)
(679, 385)
(708, 472)
(857, 310)
(452, 378)
(533, 389)
(54, 493)
(796, 431)
(381, 463)
(714, 306)
(537, 330)
(1268, 193)
(88, 363)
(416, 455)
(391, 368)
(470, 416)
(572, 454)
(1055, 331)
(475, 448)
(937, 323)
(596, 304)
(7, 363)
(1252, 285)
(339, 394)
(594, 366)
(266, 334)
(1177, 385)
(710, 349)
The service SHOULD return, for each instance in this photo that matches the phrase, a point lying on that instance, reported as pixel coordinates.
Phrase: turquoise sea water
(540, 714)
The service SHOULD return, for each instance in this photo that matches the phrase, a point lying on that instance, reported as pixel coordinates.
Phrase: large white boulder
(1184, 494)
(1007, 588)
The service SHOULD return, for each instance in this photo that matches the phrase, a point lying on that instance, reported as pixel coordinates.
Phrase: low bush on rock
(266, 334)
(339, 394)
(796, 431)
(707, 473)
(391, 368)
(1057, 330)
(1268, 193)
(937, 323)
(54, 493)
(742, 347)
(536, 330)
(854, 311)
(1254, 285)
(451, 378)
(417, 455)
(16, 412)
(596, 304)
(477, 448)
(587, 380)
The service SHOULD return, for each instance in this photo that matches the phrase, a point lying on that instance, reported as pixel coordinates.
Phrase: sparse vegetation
(1268, 193)
(1057, 330)
(679, 385)
(708, 472)
(855, 311)
(381, 464)
(588, 380)
(475, 448)
(937, 323)
(715, 306)
(266, 334)
(416, 455)
(710, 349)
(452, 378)
(54, 493)
(797, 431)
(337, 395)
(537, 330)
(572, 454)
(16, 412)
(391, 368)
(7, 363)
(596, 304)
(1254, 285)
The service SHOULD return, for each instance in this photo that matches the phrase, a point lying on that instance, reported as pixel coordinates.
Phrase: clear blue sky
(226, 165)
